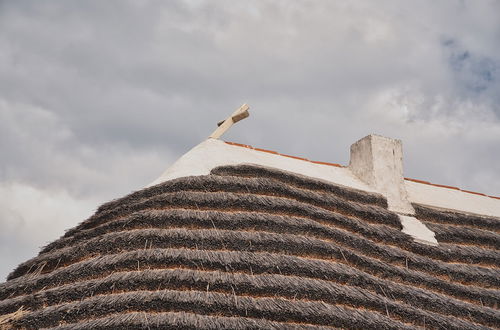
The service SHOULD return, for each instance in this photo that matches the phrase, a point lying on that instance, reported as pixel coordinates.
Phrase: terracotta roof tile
(239, 144)
(418, 181)
(300, 158)
(444, 186)
(473, 192)
(265, 150)
(325, 163)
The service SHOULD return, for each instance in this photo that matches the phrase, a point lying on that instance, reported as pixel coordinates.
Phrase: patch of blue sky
(474, 74)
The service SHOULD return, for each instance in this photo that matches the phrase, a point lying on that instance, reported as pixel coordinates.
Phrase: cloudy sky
(97, 98)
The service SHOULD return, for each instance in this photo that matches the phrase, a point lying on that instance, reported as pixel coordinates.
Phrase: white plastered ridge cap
(378, 161)
(212, 153)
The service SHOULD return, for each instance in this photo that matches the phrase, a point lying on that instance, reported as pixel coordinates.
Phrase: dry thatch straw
(393, 237)
(212, 303)
(464, 235)
(236, 202)
(183, 321)
(257, 186)
(7, 320)
(252, 247)
(275, 223)
(362, 293)
(397, 274)
(431, 214)
(215, 239)
(378, 234)
(295, 181)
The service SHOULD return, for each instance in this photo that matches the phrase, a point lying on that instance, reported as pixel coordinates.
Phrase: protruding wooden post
(224, 125)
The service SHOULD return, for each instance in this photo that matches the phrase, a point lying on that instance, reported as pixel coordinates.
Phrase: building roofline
(339, 165)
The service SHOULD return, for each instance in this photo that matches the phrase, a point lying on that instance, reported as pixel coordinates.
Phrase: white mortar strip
(416, 229)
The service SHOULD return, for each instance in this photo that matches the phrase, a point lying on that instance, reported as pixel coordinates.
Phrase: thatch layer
(295, 181)
(215, 239)
(7, 319)
(448, 217)
(253, 263)
(464, 236)
(183, 321)
(211, 303)
(378, 234)
(250, 247)
(233, 187)
(367, 293)
(273, 223)
(283, 206)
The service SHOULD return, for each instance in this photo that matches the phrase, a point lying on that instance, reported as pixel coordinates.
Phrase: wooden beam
(224, 125)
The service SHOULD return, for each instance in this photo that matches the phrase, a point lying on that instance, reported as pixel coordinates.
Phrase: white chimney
(378, 161)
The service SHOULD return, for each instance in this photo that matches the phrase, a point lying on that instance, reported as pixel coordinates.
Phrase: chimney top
(378, 161)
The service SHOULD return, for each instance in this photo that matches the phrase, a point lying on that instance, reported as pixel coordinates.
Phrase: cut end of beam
(240, 114)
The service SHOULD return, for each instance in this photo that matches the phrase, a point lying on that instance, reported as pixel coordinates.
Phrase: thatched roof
(252, 247)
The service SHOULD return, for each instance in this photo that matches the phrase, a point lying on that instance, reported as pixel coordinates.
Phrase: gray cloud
(97, 98)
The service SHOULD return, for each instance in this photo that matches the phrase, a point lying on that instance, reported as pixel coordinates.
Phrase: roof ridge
(338, 165)
(280, 154)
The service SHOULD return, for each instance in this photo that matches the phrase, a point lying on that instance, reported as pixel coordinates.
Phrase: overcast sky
(97, 98)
